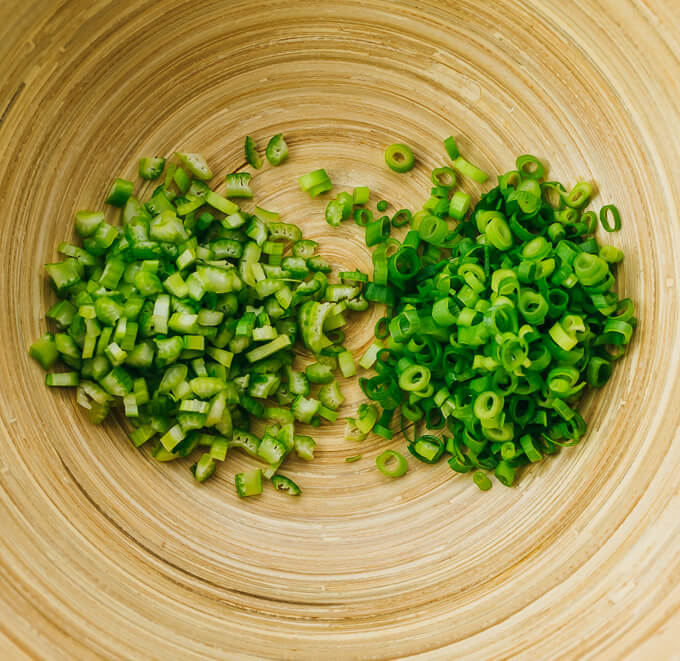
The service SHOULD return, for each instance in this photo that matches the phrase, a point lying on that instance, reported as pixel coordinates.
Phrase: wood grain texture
(106, 554)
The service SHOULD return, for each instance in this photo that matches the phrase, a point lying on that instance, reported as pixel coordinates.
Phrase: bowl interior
(117, 554)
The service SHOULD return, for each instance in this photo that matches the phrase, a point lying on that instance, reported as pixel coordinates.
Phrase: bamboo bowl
(107, 554)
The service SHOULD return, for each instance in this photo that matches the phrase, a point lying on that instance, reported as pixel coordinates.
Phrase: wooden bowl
(107, 554)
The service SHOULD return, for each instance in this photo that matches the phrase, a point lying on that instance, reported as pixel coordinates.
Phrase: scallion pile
(495, 323)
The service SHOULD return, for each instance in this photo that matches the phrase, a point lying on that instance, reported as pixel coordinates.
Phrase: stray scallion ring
(363, 217)
(399, 157)
(444, 177)
(377, 231)
(481, 480)
(401, 218)
(451, 147)
(605, 212)
(459, 205)
(579, 196)
(530, 167)
(467, 169)
(433, 229)
(427, 448)
(391, 463)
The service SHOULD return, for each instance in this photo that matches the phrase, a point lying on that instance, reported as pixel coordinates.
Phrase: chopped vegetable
(401, 218)
(496, 325)
(605, 212)
(277, 150)
(196, 165)
(45, 351)
(451, 147)
(282, 483)
(315, 183)
(249, 483)
(151, 168)
(481, 480)
(252, 156)
(391, 463)
(468, 170)
(399, 158)
(238, 185)
(204, 467)
(185, 320)
(120, 191)
(361, 194)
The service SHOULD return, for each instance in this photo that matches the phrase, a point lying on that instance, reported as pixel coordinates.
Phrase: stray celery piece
(87, 222)
(44, 351)
(267, 216)
(346, 364)
(253, 158)
(181, 179)
(204, 467)
(315, 182)
(120, 191)
(62, 379)
(221, 203)
(238, 185)
(249, 483)
(277, 150)
(151, 167)
(304, 446)
(370, 356)
(196, 164)
(285, 484)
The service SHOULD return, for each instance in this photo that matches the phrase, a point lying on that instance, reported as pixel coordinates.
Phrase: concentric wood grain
(107, 554)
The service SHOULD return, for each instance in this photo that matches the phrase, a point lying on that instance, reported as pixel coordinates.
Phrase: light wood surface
(106, 554)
